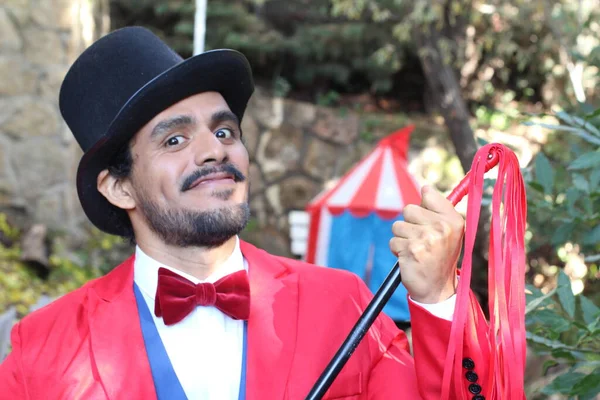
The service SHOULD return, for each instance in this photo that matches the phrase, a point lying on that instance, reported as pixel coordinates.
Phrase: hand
(428, 244)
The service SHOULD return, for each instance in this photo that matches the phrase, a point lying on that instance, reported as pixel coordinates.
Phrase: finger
(418, 215)
(406, 230)
(399, 246)
(408, 249)
(434, 201)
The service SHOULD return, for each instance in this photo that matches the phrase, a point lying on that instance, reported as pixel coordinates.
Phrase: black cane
(379, 301)
(338, 361)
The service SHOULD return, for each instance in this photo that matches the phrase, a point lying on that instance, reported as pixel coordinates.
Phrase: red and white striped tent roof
(379, 183)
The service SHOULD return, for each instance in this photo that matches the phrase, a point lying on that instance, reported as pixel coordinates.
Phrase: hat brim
(223, 71)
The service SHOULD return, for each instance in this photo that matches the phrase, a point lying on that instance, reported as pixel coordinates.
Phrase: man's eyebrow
(224, 115)
(168, 125)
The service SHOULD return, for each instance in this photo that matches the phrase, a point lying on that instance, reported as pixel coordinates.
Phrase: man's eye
(174, 140)
(224, 133)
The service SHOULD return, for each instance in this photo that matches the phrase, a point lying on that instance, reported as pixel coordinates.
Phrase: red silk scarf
(506, 343)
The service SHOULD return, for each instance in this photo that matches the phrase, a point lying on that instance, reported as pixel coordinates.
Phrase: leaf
(563, 383)
(586, 161)
(580, 122)
(588, 385)
(562, 233)
(592, 259)
(535, 303)
(581, 183)
(592, 236)
(536, 186)
(481, 141)
(547, 365)
(550, 320)
(571, 198)
(552, 344)
(564, 354)
(593, 114)
(544, 172)
(565, 294)
(577, 131)
(594, 180)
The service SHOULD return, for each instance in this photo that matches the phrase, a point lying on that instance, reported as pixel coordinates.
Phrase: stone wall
(39, 39)
(297, 148)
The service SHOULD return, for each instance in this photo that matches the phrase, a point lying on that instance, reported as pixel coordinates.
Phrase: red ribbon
(506, 344)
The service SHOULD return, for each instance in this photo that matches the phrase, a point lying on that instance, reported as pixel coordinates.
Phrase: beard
(190, 228)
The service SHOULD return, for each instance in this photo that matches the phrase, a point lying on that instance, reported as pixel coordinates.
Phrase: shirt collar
(145, 269)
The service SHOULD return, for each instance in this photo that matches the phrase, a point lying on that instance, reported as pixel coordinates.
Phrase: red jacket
(88, 344)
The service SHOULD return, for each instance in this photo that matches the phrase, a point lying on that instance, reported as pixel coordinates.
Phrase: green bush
(22, 285)
(564, 212)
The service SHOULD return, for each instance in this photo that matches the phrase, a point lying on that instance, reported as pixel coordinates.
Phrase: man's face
(189, 173)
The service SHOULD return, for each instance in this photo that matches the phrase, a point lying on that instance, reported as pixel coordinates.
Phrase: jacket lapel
(117, 345)
(272, 326)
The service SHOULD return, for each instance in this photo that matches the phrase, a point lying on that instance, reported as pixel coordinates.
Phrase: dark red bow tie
(176, 296)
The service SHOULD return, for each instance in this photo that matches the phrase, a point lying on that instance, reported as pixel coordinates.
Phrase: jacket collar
(118, 346)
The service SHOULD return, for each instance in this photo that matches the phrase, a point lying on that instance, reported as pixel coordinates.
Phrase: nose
(208, 149)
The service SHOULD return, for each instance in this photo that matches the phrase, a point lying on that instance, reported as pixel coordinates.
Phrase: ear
(116, 190)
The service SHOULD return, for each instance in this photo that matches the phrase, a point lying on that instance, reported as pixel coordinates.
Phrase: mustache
(229, 169)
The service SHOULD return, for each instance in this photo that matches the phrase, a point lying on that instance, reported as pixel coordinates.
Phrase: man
(197, 313)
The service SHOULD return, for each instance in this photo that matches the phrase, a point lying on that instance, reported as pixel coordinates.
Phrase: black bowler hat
(119, 84)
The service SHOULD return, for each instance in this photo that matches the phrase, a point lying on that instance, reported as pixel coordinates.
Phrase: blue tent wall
(350, 244)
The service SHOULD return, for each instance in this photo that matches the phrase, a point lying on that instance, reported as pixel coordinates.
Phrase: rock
(19, 9)
(8, 105)
(320, 159)
(73, 209)
(9, 34)
(258, 209)
(50, 210)
(346, 159)
(50, 81)
(285, 146)
(7, 189)
(7, 322)
(43, 47)
(271, 168)
(273, 202)
(53, 14)
(299, 114)
(267, 111)
(336, 128)
(32, 117)
(38, 165)
(33, 245)
(3, 159)
(270, 239)
(257, 183)
(17, 77)
(250, 135)
(296, 192)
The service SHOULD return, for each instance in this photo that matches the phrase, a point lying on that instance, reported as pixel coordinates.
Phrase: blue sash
(166, 383)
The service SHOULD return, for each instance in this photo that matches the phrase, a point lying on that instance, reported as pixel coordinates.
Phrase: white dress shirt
(206, 347)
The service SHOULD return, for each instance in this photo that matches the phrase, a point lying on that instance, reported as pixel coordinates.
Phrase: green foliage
(22, 285)
(564, 185)
(567, 328)
(351, 46)
(563, 193)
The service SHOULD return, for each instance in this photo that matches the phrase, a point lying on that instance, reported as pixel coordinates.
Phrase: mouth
(221, 178)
